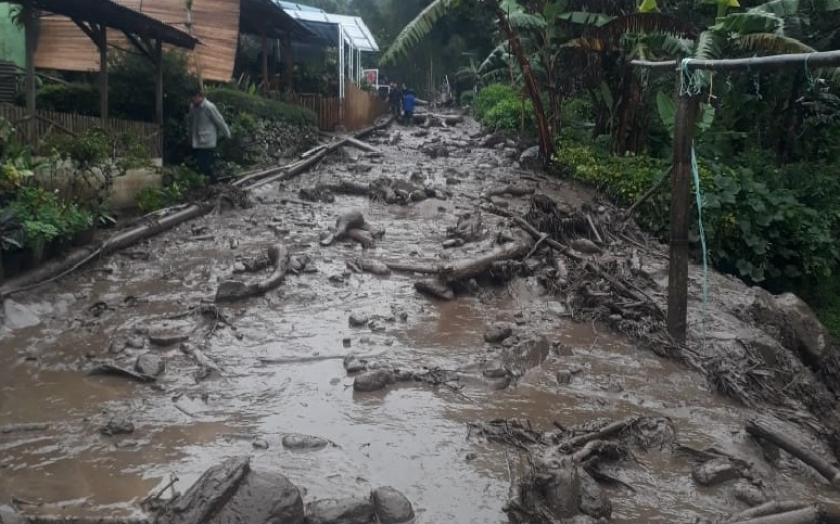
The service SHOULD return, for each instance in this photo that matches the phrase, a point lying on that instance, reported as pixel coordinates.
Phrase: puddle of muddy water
(411, 437)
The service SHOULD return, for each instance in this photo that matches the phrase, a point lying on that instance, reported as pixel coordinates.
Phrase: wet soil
(411, 436)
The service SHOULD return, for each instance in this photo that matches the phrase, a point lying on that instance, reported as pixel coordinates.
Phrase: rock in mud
(359, 320)
(9, 516)
(714, 472)
(304, 442)
(209, 493)
(564, 376)
(117, 426)
(167, 338)
(391, 506)
(262, 498)
(749, 494)
(497, 332)
(354, 364)
(435, 289)
(562, 493)
(593, 501)
(530, 158)
(373, 380)
(340, 511)
(585, 246)
(149, 364)
(17, 316)
(801, 328)
(376, 267)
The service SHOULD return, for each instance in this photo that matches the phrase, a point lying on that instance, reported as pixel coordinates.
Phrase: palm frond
(646, 23)
(746, 23)
(668, 45)
(771, 43)
(417, 29)
(593, 44)
(780, 8)
(585, 18)
(710, 45)
(499, 54)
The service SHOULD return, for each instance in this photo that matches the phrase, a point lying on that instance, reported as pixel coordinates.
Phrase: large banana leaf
(771, 43)
(417, 29)
(646, 23)
(752, 22)
(585, 18)
(780, 8)
(710, 45)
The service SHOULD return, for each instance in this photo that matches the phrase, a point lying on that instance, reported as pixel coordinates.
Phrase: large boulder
(149, 364)
(340, 511)
(391, 506)
(789, 319)
(10, 516)
(262, 498)
(531, 158)
(373, 380)
(232, 493)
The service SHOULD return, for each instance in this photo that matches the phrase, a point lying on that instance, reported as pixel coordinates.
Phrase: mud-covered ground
(281, 369)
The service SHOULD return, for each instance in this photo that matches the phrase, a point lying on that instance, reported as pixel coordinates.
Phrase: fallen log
(449, 120)
(27, 427)
(65, 519)
(509, 189)
(346, 187)
(607, 431)
(809, 515)
(823, 467)
(343, 225)
(362, 145)
(231, 290)
(435, 289)
(469, 268)
(768, 508)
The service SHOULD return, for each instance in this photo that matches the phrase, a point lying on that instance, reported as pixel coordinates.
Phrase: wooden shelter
(94, 18)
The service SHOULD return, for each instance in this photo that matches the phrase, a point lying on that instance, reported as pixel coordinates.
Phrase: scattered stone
(9, 516)
(373, 380)
(749, 494)
(585, 246)
(136, 342)
(126, 444)
(391, 506)
(564, 376)
(117, 426)
(149, 364)
(167, 338)
(801, 329)
(497, 332)
(32, 354)
(340, 511)
(239, 267)
(593, 501)
(435, 289)
(562, 492)
(304, 442)
(359, 320)
(346, 341)
(260, 444)
(495, 372)
(530, 158)
(470, 457)
(714, 472)
(17, 316)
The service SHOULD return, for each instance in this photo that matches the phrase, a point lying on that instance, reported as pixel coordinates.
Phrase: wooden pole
(159, 82)
(264, 61)
(29, 35)
(289, 59)
(819, 59)
(102, 36)
(686, 113)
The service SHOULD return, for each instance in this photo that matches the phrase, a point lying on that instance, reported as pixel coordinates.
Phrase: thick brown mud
(281, 371)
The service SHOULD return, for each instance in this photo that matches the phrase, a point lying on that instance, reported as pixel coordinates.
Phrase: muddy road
(280, 363)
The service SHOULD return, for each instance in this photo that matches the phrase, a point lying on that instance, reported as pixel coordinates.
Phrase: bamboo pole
(102, 44)
(818, 59)
(159, 82)
(29, 36)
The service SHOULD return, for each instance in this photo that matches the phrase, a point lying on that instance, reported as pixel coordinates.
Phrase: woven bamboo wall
(63, 46)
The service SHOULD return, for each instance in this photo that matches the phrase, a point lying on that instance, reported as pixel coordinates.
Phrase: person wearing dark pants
(205, 126)
(408, 107)
(395, 97)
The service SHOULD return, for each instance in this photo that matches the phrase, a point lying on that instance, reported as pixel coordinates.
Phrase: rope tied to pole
(691, 83)
(699, 197)
(808, 76)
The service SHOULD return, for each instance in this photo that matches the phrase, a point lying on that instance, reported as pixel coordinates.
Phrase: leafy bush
(67, 98)
(467, 98)
(235, 101)
(491, 95)
(177, 183)
(511, 114)
(765, 236)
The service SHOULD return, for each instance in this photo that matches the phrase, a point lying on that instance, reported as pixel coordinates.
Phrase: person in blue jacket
(408, 106)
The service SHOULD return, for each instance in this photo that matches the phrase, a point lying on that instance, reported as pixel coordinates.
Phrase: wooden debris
(230, 290)
(108, 368)
(28, 427)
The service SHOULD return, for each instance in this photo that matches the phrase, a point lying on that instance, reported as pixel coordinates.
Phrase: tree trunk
(787, 140)
(530, 82)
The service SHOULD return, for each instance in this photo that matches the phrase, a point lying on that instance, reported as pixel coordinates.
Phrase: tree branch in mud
(231, 290)
(823, 467)
(768, 508)
(809, 515)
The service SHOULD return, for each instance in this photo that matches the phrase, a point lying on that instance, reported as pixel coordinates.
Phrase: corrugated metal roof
(356, 33)
(299, 7)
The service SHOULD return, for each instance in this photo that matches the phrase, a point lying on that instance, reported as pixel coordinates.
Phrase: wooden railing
(48, 123)
(361, 108)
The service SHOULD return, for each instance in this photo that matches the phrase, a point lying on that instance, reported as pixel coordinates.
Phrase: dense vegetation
(559, 70)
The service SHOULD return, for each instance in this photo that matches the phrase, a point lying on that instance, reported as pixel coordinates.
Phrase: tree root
(231, 290)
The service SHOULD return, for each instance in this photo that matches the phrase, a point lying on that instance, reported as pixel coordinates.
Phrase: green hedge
(232, 100)
(499, 107)
(66, 98)
(764, 233)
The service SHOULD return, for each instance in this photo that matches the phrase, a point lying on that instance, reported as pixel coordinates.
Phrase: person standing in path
(205, 126)
(408, 107)
(395, 96)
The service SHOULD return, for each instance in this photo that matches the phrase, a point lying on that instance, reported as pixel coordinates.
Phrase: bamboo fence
(48, 123)
(361, 108)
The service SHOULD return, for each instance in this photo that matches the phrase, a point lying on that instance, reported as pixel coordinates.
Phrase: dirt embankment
(349, 329)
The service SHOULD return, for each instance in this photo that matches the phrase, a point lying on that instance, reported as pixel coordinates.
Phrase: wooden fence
(361, 108)
(48, 123)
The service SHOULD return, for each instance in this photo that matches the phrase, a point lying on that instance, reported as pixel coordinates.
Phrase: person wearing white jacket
(205, 126)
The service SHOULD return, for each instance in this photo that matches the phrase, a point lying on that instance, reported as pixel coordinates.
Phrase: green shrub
(77, 98)
(467, 98)
(234, 101)
(491, 95)
(177, 183)
(511, 114)
(764, 235)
